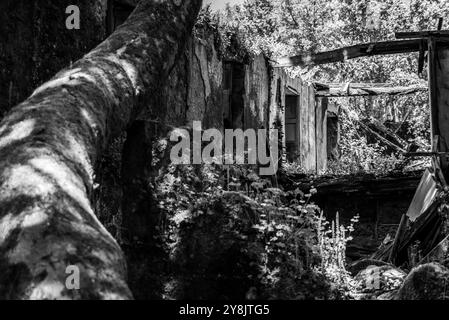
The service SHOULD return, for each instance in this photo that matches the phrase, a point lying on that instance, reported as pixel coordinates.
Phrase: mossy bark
(50, 143)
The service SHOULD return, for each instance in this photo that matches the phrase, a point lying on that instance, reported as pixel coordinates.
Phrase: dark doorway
(291, 123)
(333, 136)
(234, 92)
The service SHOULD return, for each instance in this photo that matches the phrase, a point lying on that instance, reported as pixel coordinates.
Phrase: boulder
(376, 281)
(219, 251)
(426, 282)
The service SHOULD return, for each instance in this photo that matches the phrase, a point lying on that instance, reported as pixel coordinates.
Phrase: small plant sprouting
(332, 241)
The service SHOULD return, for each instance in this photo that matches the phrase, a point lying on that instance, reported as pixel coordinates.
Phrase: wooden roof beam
(365, 89)
(422, 34)
(355, 51)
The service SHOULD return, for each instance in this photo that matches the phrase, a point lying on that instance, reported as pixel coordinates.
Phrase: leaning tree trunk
(50, 143)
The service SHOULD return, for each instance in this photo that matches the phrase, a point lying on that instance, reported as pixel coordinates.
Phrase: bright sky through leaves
(221, 4)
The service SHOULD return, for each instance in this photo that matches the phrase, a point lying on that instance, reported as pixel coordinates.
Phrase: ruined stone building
(230, 93)
(206, 85)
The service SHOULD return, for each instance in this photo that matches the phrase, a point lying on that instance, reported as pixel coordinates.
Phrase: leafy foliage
(229, 228)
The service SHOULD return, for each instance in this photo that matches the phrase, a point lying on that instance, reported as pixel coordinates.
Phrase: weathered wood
(421, 34)
(304, 124)
(421, 56)
(311, 161)
(439, 80)
(366, 184)
(425, 154)
(354, 85)
(348, 90)
(393, 145)
(426, 229)
(434, 110)
(298, 126)
(440, 23)
(321, 134)
(352, 52)
(50, 143)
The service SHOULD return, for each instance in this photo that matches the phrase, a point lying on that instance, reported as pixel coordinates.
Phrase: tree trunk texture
(50, 143)
(141, 218)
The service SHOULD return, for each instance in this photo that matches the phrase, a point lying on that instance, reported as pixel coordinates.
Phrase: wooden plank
(364, 184)
(440, 24)
(425, 154)
(321, 134)
(304, 123)
(434, 123)
(378, 136)
(426, 229)
(351, 52)
(312, 129)
(440, 80)
(298, 123)
(368, 90)
(421, 34)
(421, 57)
(357, 85)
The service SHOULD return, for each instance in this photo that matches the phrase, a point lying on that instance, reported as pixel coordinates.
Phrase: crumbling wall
(257, 93)
(310, 123)
(193, 91)
(204, 99)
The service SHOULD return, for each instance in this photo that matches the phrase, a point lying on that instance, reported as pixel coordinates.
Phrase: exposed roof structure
(357, 51)
(364, 89)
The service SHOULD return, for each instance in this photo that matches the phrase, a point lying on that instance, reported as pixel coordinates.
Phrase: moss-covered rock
(377, 280)
(426, 282)
(219, 250)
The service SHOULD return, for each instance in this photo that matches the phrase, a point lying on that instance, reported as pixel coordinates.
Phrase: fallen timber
(378, 200)
(334, 90)
(421, 236)
(354, 184)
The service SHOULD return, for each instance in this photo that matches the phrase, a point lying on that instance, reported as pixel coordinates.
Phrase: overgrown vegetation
(230, 233)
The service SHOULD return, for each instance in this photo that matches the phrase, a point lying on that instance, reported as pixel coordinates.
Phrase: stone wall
(243, 93)
(309, 147)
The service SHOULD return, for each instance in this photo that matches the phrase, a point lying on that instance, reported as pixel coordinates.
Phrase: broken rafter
(386, 141)
(425, 154)
(421, 34)
(352, 52)
(365, 89)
